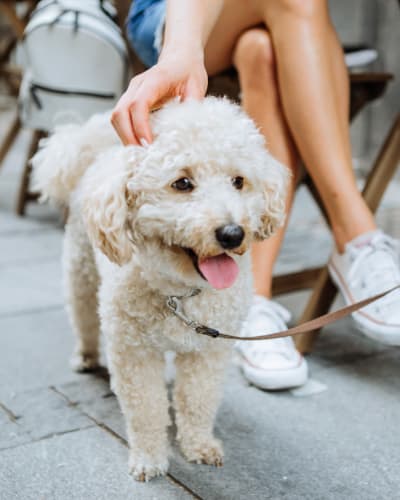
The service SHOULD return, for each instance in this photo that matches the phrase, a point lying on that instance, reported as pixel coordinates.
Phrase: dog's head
(193, 200)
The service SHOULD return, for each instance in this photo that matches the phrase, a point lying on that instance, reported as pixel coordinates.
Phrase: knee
(302, 9)
(254, 53)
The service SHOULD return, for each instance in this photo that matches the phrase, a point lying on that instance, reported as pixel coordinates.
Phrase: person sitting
(295, 87)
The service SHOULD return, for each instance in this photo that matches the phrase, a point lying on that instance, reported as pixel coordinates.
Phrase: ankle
(343, 237)
(263, 292)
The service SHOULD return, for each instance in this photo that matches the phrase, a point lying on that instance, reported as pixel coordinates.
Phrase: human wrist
(191, 52)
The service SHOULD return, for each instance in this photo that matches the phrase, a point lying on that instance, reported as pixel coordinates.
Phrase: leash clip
(206, 330)
(174, 304)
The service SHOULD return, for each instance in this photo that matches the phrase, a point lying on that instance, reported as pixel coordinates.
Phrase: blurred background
(377, 24)
(336, 439)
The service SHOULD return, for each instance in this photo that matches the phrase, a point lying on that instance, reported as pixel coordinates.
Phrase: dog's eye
(183, 184)
(237, 182)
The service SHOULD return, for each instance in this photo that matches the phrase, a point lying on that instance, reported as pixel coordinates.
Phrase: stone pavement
(62, 434)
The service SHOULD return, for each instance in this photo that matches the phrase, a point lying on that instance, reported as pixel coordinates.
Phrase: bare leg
(307, 60)
(81, 282)
(312, 83)
(196, 396)
(254, 59)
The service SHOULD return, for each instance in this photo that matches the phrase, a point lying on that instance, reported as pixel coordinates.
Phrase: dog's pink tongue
(220, 271)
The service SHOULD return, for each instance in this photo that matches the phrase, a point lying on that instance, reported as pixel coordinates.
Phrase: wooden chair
(12, 77)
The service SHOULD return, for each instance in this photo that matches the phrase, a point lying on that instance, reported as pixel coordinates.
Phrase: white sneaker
(369, 266)
(270, 364)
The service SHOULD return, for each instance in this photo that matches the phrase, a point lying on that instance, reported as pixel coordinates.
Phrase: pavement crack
(61, 433)
(10, 414)
(27, 312)
(172, 479)
(107, 429)
(64, 396)
(48, 436)
(103, 426)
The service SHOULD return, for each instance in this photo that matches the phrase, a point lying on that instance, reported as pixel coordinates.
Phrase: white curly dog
(145, 223)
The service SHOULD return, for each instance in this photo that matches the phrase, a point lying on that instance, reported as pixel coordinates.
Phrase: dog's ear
(274, 185)
(108, 205)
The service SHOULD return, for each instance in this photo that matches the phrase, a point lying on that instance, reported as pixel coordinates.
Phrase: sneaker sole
(362, 323)
(278, 379)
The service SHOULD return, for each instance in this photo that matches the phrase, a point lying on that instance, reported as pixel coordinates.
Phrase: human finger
(149, 96)
(121, 117)
(122, 123)
(194, 91)
(140, 118)
(196, 86)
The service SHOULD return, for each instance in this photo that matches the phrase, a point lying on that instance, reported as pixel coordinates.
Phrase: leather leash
(174, 305)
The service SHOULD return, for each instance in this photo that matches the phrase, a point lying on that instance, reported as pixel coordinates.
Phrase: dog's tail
(64, 157)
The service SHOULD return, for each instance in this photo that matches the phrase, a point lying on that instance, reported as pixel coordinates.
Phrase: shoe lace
(277, 315)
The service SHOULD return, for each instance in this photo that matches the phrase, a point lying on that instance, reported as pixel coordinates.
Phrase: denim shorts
(145, 27)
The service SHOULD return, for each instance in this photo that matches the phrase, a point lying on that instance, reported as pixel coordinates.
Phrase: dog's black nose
(229, 236)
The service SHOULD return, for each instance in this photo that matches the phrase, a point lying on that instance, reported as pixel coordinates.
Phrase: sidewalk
(62, 434)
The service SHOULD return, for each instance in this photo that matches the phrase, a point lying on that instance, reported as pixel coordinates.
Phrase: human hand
(175, 75)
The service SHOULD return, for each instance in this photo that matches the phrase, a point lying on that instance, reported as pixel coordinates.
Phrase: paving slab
(379, 374)
(11, 433)
(336, 445)
(281, 447)
(337, 343)
(83, 465)
(34, 286)
(34, 351)
(342, 343)
(21, 249)
(30, 268)
(41, 413)
(11, 224)
(341, 443)
(93, 396)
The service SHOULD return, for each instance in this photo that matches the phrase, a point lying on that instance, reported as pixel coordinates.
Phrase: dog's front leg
(137, 378)
(196, 396)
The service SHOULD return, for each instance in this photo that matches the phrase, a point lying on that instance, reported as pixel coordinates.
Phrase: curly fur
(123, 254)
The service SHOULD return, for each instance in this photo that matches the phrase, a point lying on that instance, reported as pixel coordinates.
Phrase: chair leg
(23, 194)
(324, 291)
(9, 138)
(322, 296)
(384, 167)
(17, 23)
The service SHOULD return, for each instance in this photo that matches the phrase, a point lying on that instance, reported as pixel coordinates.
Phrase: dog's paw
(143, 470)
(83, 363)
(208, 452)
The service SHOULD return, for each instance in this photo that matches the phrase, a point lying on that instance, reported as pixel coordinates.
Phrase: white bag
(75, 63)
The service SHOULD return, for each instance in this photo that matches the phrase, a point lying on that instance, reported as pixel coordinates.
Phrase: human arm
(180, 71)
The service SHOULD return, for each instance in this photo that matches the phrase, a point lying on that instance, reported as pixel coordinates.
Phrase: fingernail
(144, 142)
